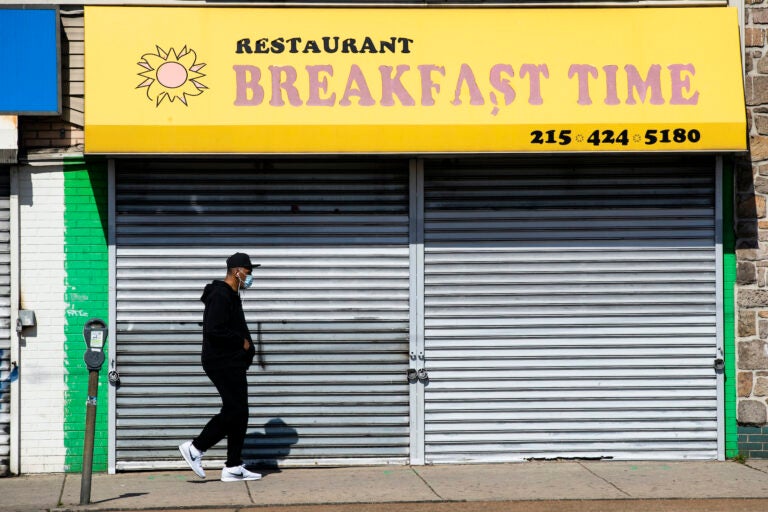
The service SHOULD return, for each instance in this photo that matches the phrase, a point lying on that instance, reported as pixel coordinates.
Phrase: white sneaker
(238, 474)
(195, 461)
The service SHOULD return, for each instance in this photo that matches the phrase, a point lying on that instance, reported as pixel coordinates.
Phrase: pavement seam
(605, 480)
(61, 492)
(426, 483)
(756, 469)
(250, 496)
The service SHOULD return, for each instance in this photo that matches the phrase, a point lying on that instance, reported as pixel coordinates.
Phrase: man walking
(227, 354)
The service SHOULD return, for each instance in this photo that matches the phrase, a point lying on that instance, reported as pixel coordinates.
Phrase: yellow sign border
(204, 120)
(405, 139)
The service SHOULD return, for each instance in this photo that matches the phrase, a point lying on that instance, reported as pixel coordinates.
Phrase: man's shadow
(265, 450)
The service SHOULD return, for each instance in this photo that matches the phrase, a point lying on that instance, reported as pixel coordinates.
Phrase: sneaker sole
(188, 460)
(240, 479)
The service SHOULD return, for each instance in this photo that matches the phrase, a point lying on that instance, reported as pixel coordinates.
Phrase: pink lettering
(357, 86)
(392, 86)
(611, 94)
(652, 82)
(502, 84)
(535, 72)
(247, 84)
(427, 84)
(467, 76)
(583, 72)
(287, 85)
(319, 85)
(680, 84)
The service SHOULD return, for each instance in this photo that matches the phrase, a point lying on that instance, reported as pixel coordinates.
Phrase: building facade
(750, 196)
(433, 296)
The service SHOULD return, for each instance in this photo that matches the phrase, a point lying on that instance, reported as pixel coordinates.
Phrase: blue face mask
(248, 281)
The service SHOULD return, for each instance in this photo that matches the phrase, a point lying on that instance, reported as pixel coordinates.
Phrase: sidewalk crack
(622, 491)
(250, 495)
(427, 483)
(756, 469)
(61, 493)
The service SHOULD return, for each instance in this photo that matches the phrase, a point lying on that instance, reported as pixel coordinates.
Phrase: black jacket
(224, 329)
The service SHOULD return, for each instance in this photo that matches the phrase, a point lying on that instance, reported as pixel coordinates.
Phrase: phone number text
(616, 137)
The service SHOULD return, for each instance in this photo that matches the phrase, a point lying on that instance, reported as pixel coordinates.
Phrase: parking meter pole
(90, 433)
(95, 334)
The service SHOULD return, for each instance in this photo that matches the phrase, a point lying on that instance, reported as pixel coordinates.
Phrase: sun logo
(171, 75)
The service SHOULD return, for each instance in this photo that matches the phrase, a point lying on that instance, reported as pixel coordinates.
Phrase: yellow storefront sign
(310, 80)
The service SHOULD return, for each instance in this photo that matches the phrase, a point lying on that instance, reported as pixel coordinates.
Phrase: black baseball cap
(240, 259)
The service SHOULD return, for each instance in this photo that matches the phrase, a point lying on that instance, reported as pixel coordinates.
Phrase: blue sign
(29, 45)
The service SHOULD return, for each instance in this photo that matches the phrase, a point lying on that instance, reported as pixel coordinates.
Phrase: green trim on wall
(86, 296)
(729, 312)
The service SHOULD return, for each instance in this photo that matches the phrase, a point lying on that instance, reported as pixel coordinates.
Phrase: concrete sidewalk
(553, 480)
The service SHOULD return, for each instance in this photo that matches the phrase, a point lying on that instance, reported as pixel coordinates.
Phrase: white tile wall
(42, 385)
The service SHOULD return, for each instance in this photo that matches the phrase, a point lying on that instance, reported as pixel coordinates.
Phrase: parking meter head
(95, 334)
(93, 360)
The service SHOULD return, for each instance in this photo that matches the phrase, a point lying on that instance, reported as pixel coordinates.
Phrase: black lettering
(330, 44)
(388, 46)
(349, 46)
(405, 42)
(278, 45)
(261, 45)
(244, 46)
(311, 47)
(368, 46)
(294, 41)
(327, 45)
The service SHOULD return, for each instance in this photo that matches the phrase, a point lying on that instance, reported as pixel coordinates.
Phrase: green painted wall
(729, 312)
(86, 296)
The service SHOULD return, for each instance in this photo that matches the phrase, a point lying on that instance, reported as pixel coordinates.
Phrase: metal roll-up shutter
(5, 320)
(329, 304)
(570, 309)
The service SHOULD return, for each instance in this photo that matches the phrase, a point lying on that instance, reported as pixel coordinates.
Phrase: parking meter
(95, 334)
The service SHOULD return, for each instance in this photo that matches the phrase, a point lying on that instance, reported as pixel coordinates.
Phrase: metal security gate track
(5, 320)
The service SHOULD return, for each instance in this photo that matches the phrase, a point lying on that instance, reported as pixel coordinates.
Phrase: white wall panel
(41, 369)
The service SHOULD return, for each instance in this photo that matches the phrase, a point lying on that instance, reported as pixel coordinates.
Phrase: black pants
(232, 420)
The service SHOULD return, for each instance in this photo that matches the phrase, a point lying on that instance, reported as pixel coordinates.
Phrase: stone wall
(752, 228)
